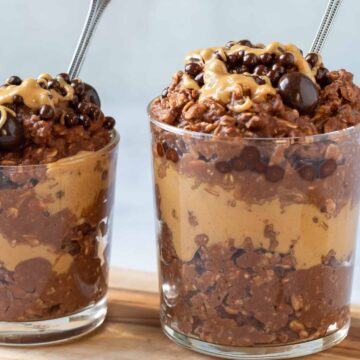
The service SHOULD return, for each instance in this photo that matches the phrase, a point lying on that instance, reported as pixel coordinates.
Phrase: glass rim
(81, 156)
(280, 140)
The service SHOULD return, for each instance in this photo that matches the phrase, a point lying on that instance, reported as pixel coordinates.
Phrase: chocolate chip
(238, 164)
(71, 120)
(200, 79)
(242, 69)
(245, 43)
(241, 54)
(172, 155)
(287, 59)
(14, 80)
(60, 194)
(85, 121)
(266, 58)
(165, 92)
(322, 77)
(34, 181)
(327, 168)
(250, 155)
(109, 123)
(312, 59)
(94, 112)
(258, 167)
(73, 248)
(79, 87)
(261, 70)
(193, 69)
(233, 60)
(250, 60)
(299, 92)
(308, 172)
(46, 112)
(84, 108)
(18, 100)
(65, 76)
(223, 166)
(274, 77)
(12, 135)
(259, 80)
(274, 173)
(90, 95)
(54, 84)
(279, 68)
(74, 103)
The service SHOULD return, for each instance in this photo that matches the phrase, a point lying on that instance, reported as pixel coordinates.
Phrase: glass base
(255, 353)
(35, 333)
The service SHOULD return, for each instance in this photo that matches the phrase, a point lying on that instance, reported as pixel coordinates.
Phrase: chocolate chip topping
(193, 69)
(46, 112)
(299, 92)
(91, 95)
(14, 80)
(12, 135)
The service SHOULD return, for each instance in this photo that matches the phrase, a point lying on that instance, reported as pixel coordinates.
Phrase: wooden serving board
(132, 330)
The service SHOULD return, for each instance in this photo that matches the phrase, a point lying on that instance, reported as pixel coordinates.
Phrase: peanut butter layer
(13, 254)
(190, 210)
(76, 187)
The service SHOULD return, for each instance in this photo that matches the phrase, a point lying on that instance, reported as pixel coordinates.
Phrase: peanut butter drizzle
(239, 91)
(34, 95)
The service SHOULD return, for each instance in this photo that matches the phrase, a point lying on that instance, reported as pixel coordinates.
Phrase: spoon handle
(325, 26)
(96, 9)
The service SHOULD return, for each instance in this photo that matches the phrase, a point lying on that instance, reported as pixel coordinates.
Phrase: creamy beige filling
(13, 254)
(77, 182)
(71, 184)
(215, 213)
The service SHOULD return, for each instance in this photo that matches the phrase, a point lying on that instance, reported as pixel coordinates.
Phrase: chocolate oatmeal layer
(57, 175)
(247, 296)
(257, 178)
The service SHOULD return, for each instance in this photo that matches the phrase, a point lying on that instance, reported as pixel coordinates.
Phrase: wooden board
(132, 330)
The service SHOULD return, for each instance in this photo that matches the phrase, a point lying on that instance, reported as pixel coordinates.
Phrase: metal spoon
(325, 26)
(96, 9)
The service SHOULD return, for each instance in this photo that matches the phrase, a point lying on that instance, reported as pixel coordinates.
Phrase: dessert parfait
(57, 173)
(257, 185)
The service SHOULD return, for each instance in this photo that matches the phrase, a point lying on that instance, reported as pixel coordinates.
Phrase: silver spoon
(96, 9)
(325, 26)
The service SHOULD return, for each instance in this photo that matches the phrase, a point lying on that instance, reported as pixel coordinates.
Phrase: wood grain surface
(132, 330)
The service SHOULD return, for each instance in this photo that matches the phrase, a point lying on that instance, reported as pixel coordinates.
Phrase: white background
(138, 45)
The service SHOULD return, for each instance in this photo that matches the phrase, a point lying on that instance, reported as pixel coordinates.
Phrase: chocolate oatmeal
(257, 185)
(57, 172)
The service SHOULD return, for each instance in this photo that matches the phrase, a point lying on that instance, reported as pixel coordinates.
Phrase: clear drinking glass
(55, 232)
(256, 240)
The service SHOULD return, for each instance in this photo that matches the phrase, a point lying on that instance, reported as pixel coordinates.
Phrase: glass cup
(55, 232)
(256, 240)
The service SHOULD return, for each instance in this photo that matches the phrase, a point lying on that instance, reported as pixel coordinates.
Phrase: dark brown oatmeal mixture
(249, 296)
